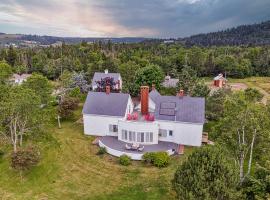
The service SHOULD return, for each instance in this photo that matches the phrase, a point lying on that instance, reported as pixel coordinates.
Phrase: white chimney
(106, 71)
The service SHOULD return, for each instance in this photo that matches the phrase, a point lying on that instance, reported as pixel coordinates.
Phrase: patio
(117, 148)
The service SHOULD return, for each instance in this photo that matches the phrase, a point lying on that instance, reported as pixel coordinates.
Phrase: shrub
(24, 159)
(148, 157)
(102, 150)
(125, 160)
(75, 92)
(158, 159)
(161, 159)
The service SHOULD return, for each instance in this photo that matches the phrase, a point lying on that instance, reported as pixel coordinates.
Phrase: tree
(206, 174)
(253, 95)
(20, 114)
(215, 104)
(190, 83)
(200, 89)
(78, 80)
(108, 81)
(66, 106)
(66, 79)
(11, 56)
(257, 186)
(151, 74)
(5, 72)
(40, 85)
(244, 129)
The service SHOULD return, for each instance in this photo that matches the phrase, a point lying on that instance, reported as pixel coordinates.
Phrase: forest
(234, 62)
(245, 35)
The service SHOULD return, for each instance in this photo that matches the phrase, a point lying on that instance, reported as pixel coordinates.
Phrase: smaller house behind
(99, 75)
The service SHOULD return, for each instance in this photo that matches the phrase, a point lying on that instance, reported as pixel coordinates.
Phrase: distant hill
(48, 40)
(249, 35)
(255, 34)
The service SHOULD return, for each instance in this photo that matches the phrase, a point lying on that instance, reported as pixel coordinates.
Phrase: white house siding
(139, 127)
(99, 125)
(130, 106)
(183, 133)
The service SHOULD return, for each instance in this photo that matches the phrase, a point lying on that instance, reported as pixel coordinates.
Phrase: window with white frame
(148, 137)
(132, 136)
(113, 128)
(140, 137)
(170, 133)
(162, 133)
(124, 135)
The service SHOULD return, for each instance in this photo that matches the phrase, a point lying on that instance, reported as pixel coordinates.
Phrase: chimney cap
(181, 93)
(144, 87)
(108, 89)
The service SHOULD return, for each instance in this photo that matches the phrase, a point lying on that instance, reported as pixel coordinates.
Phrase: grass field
(70, 169)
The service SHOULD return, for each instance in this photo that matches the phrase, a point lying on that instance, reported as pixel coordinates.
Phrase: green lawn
(70, 169)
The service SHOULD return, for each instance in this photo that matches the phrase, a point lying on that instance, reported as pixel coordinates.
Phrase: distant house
(158, 123)
(170, 82)
(99, 75)
(19, 79)
(168, 41)
(220, 81)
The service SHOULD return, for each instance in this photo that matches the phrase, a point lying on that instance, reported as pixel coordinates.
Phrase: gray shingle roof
(172, 82)
(99, 75)
(188, 109)
(154, 94)
(100, 103)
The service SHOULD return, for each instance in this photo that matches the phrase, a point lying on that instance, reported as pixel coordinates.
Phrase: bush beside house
(125, 160)
(158, 159)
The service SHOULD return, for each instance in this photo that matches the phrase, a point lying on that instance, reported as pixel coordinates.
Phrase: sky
(128, 18)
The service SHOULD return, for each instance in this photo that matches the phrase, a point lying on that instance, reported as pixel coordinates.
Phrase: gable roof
(100, 103)
(99, 75)
(187, 109)
(154, 94)
(18, 76)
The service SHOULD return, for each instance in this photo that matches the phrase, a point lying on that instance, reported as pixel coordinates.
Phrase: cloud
(148, 18)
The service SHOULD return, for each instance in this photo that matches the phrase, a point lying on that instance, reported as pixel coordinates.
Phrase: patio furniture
(128, 147)
(141, 148)
(135, 146)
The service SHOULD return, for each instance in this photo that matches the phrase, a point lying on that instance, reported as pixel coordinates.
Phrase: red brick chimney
(144, 99)
(181, 93)
(108, 89)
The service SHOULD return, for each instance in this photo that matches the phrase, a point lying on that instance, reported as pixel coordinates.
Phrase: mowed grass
(261, 82)
(70, 169)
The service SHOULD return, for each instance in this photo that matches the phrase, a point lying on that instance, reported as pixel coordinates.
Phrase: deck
(116, 147)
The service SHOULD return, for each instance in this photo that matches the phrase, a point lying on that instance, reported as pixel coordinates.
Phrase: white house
(99, 75)
(170, 82)
(158, 123)
(19, 79)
